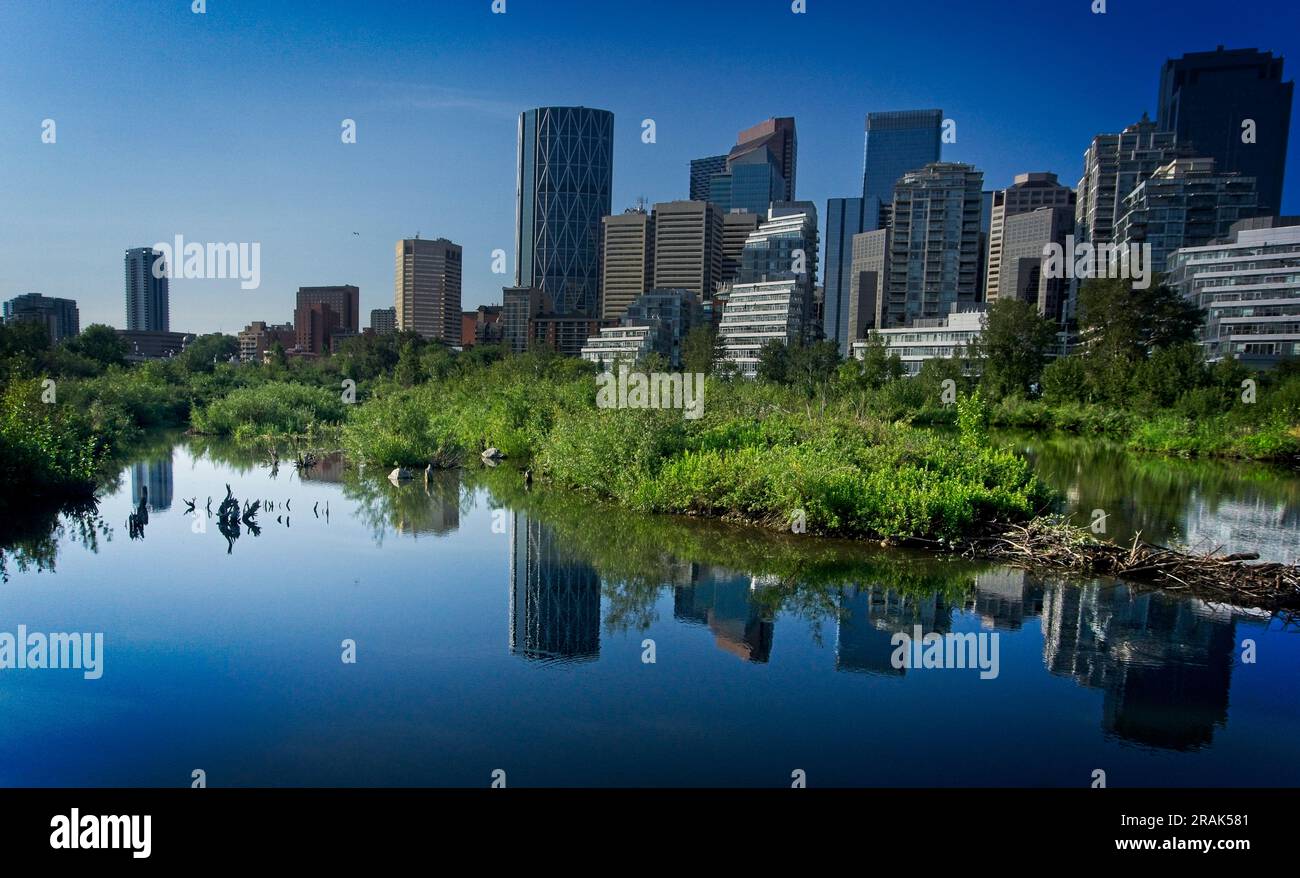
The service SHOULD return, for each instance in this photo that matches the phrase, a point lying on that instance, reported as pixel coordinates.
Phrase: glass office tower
(896, 142)
(563, 189)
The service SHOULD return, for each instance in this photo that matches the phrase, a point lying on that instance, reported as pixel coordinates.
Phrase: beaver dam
(1052, 542)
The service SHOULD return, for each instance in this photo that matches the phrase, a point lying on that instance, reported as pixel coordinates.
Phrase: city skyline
(272, 168)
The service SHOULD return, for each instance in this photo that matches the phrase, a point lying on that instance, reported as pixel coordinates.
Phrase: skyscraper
(737, 226)
(895, 143)
(785, 248)
(1028, 193)
(1186, 203)
(1209, 100)
(1024, 237)
(627, 268)
(1112, 166)
(778, 136)
(427, 288)
(845, 217)
(563, 189)
(688, 246)
(60, 317)
(934, 246)
(147, 305)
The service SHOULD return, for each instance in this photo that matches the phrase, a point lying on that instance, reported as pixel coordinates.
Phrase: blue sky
(225, 126)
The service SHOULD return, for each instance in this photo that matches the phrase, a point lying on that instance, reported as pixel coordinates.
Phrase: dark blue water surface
(502, 629)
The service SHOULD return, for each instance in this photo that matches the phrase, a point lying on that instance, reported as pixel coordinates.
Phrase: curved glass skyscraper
(563, 187)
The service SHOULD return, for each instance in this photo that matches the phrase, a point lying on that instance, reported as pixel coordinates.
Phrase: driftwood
(1054, 543)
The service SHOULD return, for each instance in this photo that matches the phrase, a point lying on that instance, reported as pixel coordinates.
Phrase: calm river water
(498, 629)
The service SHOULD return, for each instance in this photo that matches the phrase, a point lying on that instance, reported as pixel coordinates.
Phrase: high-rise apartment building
(688, 246)
(1112, 166)
(1028, 193)
(934, 247)
(563, 188)
(383, 321)
(627, 267)
(1186, 203)
(1249, 288)
(845, 217)
(1232, 106)
(321, 312)
(428, 288)
(786, 247)
(756, 314)
(895, 143)
(147, 297)
(60, 317)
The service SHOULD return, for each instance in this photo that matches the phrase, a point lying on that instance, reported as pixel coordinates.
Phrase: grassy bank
(760, 453)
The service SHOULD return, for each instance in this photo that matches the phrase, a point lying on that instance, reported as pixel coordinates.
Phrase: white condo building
(1249, 288)
(931, 338)
(757, 313)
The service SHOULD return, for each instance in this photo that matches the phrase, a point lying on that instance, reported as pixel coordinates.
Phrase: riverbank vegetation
(837, 442)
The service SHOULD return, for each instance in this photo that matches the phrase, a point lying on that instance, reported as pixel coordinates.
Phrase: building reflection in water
(554, 597)
(156, 475)
(723, 600)
(1164, 664)
(871, 615)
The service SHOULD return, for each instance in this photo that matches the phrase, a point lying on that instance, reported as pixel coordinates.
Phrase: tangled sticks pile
(1054, 542)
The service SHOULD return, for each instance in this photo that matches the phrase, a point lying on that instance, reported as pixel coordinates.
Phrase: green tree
(810, 367)
(1065, 380)
(774, 362)
(701, 349)
(1014, 346)
(877, 367)
(202, 354)
(1121, 326)
(100, 343)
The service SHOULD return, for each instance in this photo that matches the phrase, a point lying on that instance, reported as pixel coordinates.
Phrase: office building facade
(688, 246)
(845, 218)
(627, 267)
(427, 290)
(1233, 107)
(563, 190)
(1029, 192)
(60, 317)
(895, 143)
(320, 312)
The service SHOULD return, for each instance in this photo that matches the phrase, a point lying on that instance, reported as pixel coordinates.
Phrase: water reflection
(722, 600)
(1203, 504)
(554, 597)
(1082, 660)
(151, 481)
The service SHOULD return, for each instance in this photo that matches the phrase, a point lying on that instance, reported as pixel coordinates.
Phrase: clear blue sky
(225, 126)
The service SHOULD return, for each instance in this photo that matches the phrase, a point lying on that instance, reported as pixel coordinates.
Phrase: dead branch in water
(1054, 542)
